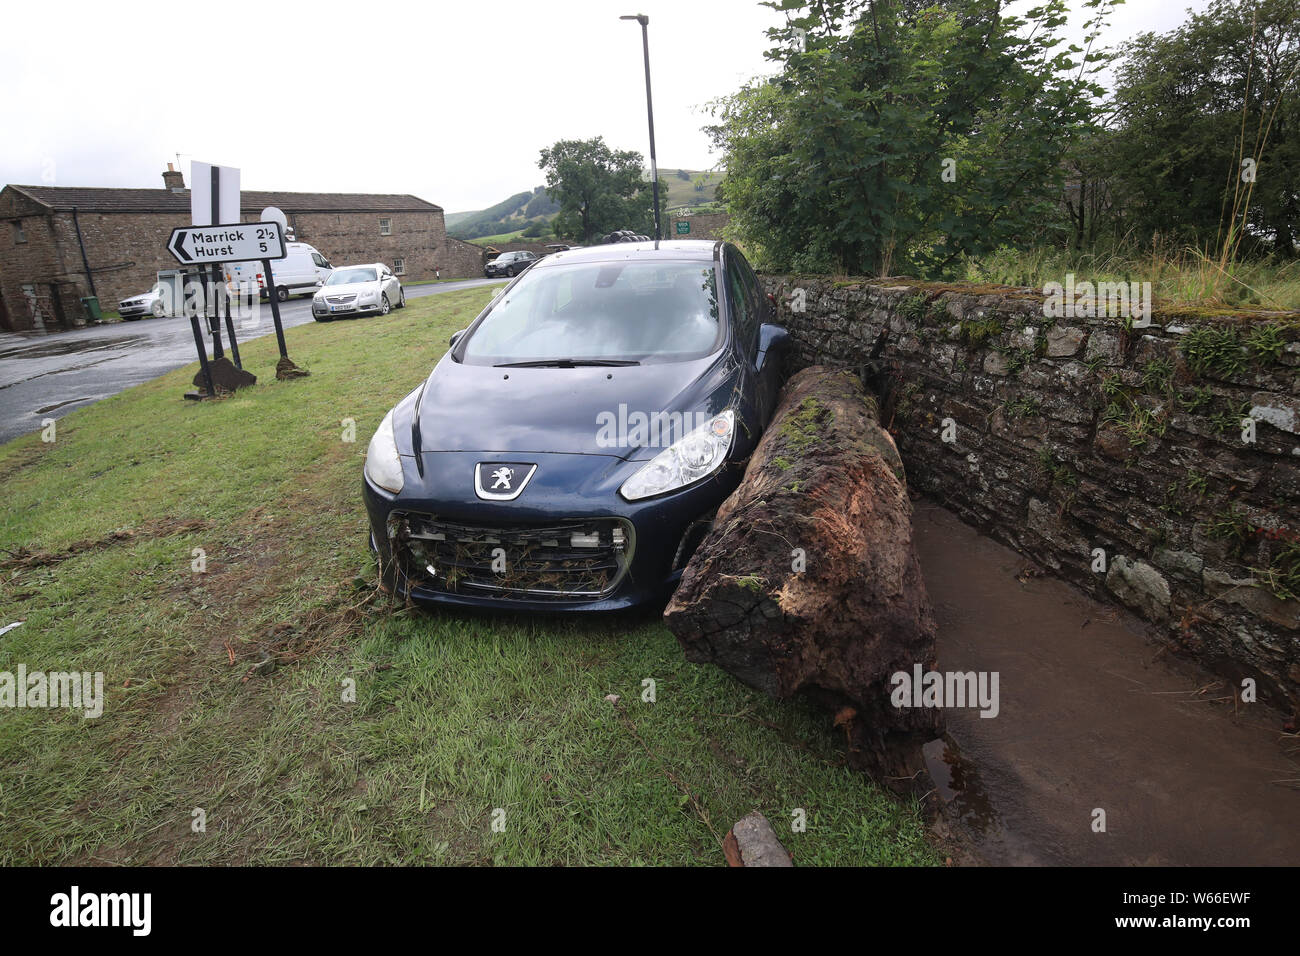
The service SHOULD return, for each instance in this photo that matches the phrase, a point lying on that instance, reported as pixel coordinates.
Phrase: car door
(749, 314)
(321, 267)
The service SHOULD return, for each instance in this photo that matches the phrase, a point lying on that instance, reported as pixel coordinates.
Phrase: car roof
(702, 249)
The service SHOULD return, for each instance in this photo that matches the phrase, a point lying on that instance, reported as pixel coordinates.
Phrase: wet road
(47, 376)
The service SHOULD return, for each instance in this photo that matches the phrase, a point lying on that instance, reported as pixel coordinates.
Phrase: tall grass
(1179, 275)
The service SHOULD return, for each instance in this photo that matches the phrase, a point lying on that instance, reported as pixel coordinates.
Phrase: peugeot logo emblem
(501, 480)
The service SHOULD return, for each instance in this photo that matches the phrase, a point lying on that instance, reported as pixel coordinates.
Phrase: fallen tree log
(808, 583)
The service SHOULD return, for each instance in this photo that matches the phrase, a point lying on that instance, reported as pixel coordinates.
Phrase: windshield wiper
(566, 363)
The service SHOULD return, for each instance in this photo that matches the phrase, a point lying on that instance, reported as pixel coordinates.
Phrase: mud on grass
(225, 690)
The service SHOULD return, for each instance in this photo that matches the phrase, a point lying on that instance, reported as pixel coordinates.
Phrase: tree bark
(808, 583)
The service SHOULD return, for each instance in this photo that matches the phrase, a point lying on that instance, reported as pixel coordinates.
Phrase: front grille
(568, 560)
(340, 299)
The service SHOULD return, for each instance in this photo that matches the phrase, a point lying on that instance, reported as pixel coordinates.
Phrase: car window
(744, 308)
(644, 311)
(755, 288)
(344, 276)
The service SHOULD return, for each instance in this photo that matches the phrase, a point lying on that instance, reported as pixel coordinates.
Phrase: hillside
(519, 212)
(689, 187)
(686, 187)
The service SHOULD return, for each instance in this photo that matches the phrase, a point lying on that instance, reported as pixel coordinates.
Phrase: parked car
(625, 235)
(153, 302)
(302, 271)
(509, 264)
(352, 290)
(569, 450)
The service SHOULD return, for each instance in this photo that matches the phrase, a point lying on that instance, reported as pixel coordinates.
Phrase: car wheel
(282, 293)
(512, 272)
(157, 310)
(401, 298)
(384, 307)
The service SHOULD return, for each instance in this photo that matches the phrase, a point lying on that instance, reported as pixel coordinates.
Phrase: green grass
(504, 237)
(682, 192)
(455, 714)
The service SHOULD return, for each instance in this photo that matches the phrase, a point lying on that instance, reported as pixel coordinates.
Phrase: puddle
(959, 785)
(72, 346)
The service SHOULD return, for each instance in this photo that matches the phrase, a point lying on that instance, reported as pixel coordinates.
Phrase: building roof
(102, 199)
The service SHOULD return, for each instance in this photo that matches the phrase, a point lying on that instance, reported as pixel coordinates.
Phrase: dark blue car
(571, 448)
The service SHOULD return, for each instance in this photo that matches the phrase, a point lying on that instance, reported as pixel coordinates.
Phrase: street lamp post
(642, 19)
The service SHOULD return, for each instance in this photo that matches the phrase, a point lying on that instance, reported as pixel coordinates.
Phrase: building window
(19, 235)
(399, 267)
(385, 227)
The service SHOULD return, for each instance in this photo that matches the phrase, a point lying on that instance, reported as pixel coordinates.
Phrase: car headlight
(700, 453)
(383, 464)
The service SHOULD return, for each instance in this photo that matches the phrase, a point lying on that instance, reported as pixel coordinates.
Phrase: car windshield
(633, 311)
(344, 276)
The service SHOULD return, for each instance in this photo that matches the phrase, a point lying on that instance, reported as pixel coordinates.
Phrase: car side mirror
(455, 337)
(770, 337)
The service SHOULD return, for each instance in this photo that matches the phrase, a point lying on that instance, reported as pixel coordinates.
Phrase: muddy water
(1092, 716)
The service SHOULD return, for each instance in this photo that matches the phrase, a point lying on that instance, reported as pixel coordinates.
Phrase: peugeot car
(570, 449)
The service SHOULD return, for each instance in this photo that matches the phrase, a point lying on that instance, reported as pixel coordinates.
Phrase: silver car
(352, 290)
(153, 302)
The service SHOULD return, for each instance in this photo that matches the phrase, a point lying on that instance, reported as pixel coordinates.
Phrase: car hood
(561, 410)
(350, 288)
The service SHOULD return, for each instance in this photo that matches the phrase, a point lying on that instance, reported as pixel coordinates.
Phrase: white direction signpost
(237, 242)
(206, 245)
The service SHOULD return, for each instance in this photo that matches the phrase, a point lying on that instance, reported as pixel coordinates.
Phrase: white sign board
(214, 194)
(237, 242)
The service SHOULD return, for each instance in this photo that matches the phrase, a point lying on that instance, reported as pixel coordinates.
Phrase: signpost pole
(203, 354)
(213, 317)
(224, 295)
(275, 307)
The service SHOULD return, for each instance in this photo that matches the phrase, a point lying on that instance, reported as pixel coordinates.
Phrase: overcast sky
(448, 100)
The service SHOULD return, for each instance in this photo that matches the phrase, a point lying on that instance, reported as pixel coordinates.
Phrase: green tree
(599, 189)
(901, 134)
(1194, 105)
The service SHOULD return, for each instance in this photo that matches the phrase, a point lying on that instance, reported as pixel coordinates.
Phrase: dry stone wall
(1157, 467)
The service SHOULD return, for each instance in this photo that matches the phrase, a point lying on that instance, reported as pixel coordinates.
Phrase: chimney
(173, 179)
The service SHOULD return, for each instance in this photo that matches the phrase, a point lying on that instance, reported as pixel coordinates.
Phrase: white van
(301, 272)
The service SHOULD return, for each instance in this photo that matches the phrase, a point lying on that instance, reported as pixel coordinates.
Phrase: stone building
(59, 244)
